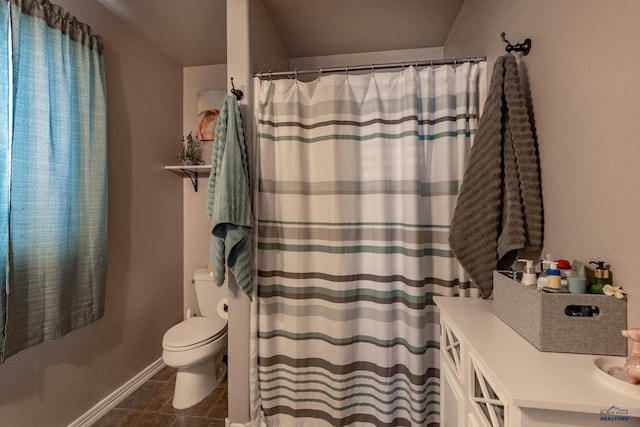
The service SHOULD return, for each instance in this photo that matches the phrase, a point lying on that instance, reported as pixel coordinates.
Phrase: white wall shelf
(191, 171)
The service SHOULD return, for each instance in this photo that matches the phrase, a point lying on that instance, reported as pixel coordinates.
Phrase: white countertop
(531, 378)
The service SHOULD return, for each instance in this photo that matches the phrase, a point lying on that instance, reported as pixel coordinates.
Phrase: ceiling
(193, 32)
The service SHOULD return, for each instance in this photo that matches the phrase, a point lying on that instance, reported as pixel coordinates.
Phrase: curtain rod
(472, 59)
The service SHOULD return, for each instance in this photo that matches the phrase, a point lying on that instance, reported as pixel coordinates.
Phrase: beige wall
(581, 73)
(54, 383)
(238, 67)
(381, 57)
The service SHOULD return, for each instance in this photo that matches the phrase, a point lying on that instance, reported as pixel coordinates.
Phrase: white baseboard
(258, 422)
(110, 402)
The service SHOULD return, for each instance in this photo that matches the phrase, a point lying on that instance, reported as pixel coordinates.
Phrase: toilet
(196, 346)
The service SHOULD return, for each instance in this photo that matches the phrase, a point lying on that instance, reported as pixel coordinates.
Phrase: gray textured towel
(228, 200)
(499, 208)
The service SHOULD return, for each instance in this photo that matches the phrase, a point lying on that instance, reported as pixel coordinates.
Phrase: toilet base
(195, 383)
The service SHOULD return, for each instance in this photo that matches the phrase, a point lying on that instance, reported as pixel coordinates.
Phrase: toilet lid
(194, 331)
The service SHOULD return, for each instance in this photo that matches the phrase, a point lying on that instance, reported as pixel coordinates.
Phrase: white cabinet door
(452, 412)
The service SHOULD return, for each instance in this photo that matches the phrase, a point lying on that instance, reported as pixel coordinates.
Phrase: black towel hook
(237, 92)
(523, 47)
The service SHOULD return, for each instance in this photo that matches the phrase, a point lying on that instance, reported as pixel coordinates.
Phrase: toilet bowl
(196, 346)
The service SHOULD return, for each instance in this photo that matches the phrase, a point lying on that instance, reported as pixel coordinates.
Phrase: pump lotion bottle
(529, 274)
(602, 278)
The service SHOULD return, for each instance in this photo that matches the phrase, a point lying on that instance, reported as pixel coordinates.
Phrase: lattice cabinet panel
(484, 398)
(450, 344)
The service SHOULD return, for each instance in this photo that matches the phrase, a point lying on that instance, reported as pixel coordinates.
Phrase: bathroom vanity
(490, 376)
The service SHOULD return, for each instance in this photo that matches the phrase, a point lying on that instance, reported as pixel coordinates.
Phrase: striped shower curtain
(357, 181)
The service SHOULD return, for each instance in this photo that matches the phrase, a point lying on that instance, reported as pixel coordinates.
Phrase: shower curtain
(357, 178)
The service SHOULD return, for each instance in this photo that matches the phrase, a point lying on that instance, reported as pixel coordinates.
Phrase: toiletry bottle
(553, 275)
(542, 280)
(529, 274)
(564, 267)
(547, 258)
(602, 277)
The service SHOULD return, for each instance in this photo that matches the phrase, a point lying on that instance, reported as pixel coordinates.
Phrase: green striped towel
(228, 200)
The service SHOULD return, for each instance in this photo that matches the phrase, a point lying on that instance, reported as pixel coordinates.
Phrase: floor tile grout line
(216, 406)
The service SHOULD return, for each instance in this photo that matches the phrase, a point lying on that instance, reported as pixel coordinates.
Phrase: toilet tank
(207, 293)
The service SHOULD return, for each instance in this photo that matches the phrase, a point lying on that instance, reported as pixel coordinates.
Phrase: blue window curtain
(54, 226)
(5, 169)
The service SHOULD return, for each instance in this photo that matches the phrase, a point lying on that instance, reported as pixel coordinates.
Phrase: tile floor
(150, 406)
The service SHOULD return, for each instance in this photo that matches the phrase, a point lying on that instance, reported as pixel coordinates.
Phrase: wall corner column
(239, 67)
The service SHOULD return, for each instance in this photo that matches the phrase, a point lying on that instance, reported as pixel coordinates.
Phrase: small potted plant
(190, 151)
